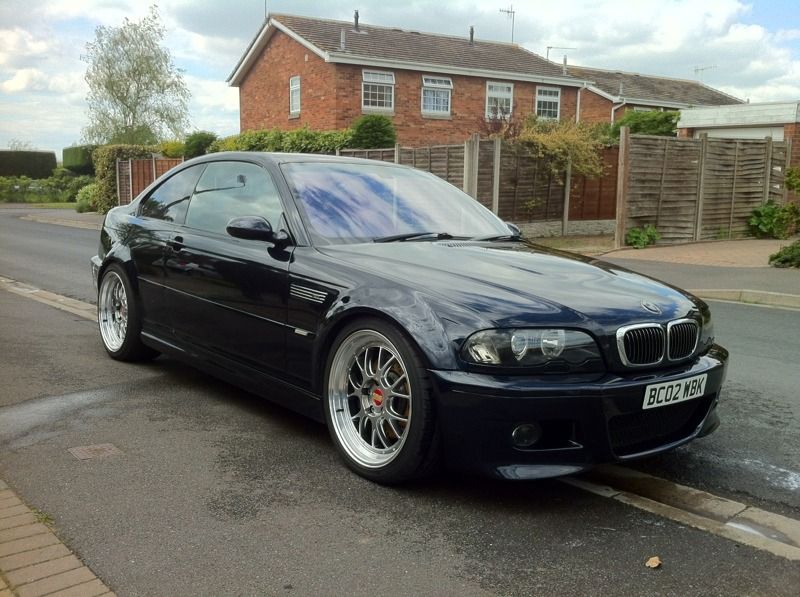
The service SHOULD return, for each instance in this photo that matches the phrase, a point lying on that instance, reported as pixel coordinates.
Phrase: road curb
(63, 222)
(74, 306)
(767, 531)
(756, 297)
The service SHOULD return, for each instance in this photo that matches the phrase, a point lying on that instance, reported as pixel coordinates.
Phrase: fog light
(525, 435)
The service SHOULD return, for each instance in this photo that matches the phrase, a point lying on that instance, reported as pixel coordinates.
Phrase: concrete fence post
(622, 186)
(567, 188)
(396, 153)
(701, 185)
(496, 176)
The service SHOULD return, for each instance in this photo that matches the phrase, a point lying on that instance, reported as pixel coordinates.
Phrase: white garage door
(740, 132)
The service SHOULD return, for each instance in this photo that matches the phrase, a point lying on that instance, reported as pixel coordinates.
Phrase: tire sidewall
(418, 441)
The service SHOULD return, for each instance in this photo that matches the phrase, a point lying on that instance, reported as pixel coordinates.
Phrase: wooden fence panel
(133, 176)
(669, 180)
(596, 198)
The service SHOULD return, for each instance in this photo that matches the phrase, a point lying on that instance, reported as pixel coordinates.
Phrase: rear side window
(171, 199)
(232, 189)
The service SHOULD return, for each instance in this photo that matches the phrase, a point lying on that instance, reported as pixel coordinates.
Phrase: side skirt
(254, 381)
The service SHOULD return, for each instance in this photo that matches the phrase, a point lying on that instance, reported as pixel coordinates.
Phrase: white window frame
(548, 98)
(439, 84)
(378, 78)
(490, 115)
(294, 85)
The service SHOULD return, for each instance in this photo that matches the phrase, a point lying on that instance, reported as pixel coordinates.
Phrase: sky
(748, 49)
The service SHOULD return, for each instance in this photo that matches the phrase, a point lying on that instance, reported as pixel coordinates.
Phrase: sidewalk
(726, 270)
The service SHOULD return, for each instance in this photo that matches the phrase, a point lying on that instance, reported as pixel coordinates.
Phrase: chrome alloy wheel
(112, 311)
(369, 394)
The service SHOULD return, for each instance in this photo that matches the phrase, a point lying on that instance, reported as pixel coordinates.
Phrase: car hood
(520, 283)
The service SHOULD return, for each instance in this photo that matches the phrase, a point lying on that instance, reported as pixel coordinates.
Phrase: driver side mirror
(514, 229)
(257, 228)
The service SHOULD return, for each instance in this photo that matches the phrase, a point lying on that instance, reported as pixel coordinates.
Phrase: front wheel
(119, 318)
(378, 404)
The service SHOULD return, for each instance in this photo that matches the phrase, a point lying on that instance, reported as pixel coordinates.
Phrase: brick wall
(264, 92)
(331, 97)
(594, 108)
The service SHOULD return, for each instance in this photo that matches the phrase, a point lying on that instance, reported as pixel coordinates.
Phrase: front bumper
(583, 423)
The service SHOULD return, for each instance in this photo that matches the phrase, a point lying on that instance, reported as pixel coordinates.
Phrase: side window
(230, 190)
(170, 200)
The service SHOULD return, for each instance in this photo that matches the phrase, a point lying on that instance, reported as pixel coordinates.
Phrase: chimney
(341, 41)
(471, 35)
(355, 20)
(564, 67)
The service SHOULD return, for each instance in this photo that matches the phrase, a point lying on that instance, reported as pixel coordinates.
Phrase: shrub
(299, 140)
(793, 179)
(788, 256)
(171, 149)
(563, 142)
(373, 131)
(78, 159)
(63, 185)
(33, 164)
(87, 198)
(197, 143)
(642, 237)
(105, 164)
(771, 220)
(664, 124)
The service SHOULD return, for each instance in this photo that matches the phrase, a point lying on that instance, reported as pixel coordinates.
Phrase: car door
(228, 295)
(158, 217)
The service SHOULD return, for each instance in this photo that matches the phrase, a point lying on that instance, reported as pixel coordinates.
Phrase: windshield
(355, 203)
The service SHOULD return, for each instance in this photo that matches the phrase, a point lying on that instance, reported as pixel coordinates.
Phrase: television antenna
(556, 48)
(510, 12)
(699, 70)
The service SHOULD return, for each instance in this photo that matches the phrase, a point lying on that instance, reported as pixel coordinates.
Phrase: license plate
(670, 392)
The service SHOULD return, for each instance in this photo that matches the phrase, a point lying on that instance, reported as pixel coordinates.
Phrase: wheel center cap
(377, 397)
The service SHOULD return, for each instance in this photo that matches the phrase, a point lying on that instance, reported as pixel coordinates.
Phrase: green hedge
(373, 131)
(78, 159)
(62, 186)
(301, 140)
(33, 164)
(105, 166)
(196, 143)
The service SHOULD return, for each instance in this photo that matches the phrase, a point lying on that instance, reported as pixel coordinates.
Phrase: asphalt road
(219, 492)
(55, 258)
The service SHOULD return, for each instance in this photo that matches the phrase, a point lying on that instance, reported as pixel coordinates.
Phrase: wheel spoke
(382, 434)
(393, 425)
(392, 414)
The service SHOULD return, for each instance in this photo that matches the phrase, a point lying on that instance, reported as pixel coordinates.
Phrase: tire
(119, 317)
(378, 404)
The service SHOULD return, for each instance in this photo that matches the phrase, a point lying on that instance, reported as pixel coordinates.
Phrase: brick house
(302, 71)
(324, 74)
(609, 94)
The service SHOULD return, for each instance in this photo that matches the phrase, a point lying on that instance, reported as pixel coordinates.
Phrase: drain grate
(94, 451)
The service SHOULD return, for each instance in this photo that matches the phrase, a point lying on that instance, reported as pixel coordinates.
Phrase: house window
(548, 102)
(499, 99)
(377, 90)
(436, 95)
(294, 95)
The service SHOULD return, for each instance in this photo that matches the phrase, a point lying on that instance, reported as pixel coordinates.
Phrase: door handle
(176, 244)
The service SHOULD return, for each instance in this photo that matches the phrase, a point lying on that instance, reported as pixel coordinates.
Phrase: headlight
(548, 350)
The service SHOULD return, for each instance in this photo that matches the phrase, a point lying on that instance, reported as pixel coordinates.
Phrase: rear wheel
(119, 318)
(378, 404)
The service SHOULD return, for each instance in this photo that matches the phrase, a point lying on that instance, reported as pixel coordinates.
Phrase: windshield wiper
(413, 236)
(491, 237)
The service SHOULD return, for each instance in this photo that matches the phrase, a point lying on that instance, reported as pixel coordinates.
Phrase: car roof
(286, 158)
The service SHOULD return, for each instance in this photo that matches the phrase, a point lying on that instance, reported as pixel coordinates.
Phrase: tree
(136, 94)
(564, 142)
(664, 124)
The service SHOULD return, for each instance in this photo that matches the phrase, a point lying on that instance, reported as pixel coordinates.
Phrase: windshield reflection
(353, 203)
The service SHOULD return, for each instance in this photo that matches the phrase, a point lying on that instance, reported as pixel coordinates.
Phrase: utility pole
(510, 13)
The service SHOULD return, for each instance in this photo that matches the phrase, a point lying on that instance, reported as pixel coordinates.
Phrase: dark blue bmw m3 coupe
(419, 327)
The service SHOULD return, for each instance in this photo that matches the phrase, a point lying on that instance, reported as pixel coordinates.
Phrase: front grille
(645, 430)
(642, 344)
(682, 339)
